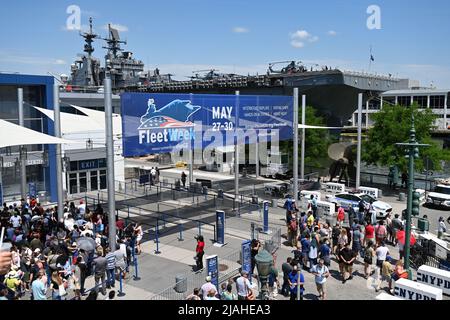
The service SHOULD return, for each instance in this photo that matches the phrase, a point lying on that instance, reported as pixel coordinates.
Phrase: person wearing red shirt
(369, 234)
(200, 251)
(340, 216)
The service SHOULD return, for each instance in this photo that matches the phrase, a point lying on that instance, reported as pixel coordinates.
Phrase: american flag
(164, 122)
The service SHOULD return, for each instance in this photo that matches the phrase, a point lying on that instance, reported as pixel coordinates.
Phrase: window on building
(422, 101)
(404, 101)
(389, 100)
(437, 102)
(374, 104)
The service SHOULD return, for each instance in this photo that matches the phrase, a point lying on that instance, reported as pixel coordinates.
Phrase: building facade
(40, 159)
(434, 99)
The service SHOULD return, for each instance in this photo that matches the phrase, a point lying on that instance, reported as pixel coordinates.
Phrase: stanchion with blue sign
(135, 264)
(247, 258)
(220, 228)
(212, 265)
(32, 190)
(157, 238)
(121, 293)
(266, 218)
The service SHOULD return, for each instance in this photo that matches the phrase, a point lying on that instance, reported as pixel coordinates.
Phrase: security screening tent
(14, 135)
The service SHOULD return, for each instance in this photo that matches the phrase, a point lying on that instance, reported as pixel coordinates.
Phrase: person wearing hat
(386, 271)
(207, 287)
(13, 283)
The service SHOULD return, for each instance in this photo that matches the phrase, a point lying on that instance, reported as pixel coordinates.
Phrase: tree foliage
(392, 125)
(316, 141)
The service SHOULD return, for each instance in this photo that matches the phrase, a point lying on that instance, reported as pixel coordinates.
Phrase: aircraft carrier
(333, 92)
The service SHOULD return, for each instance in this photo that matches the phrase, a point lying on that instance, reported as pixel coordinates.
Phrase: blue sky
(239, 36)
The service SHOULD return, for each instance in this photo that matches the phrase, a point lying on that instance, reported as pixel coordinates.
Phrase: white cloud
(240, 30)
(300, 34)
(297, 44)
(118, 27)
(60, 62)
(299, 37)
(332, 33)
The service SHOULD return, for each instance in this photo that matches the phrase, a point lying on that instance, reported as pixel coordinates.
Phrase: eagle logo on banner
(176, 114)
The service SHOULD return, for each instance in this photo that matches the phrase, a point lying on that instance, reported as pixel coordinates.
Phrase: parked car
(440, 197)
(346, 200)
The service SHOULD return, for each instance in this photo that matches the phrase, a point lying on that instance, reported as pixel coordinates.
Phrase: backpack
(367, 257)
(293, 225)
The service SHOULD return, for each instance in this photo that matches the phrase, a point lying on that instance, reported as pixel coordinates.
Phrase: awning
(99, 118)
(73, 123)
(14, 135)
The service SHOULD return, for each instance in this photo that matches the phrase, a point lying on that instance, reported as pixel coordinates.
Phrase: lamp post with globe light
(264, 262)
(413, 203)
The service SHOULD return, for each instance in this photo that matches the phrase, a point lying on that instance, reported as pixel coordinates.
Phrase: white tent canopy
(73, 123)
(14, 135)
(99, 118)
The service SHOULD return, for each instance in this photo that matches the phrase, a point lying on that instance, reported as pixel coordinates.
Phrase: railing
(230, 264)
(431, 253)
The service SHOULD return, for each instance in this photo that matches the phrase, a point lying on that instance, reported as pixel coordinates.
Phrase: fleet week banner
(156, 123)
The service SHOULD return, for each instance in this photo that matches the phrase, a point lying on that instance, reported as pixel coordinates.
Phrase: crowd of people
(315, 244)
(46, 258)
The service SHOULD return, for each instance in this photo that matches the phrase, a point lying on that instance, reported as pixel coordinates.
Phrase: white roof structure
(73, 123)
(416, 92)
(14, 135)
(99, 118)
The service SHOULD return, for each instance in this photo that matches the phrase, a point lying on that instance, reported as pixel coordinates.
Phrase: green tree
(316, 141)
(392, 125)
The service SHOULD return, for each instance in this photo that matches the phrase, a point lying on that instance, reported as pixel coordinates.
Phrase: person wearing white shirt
(243, 286)
(321, 273)
(15, 220)
(382, 252)
(207, 287)
(82, 207)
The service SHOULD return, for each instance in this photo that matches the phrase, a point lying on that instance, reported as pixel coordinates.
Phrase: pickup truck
(440, 197)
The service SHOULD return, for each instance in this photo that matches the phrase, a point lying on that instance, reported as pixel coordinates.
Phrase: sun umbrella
(87, 244)
(81, 222)
(35, 218)
(401, 237)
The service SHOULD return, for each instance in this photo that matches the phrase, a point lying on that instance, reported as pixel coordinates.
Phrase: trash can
(42, 195)
(194, 187)
(180, 283)
(274, 203)
(220, 194)
(269, 245)
(401, 196)
(423, 224)
(254, 199)
(178, 185)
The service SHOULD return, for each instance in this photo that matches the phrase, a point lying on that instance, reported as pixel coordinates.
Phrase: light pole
(295, 146)
(59, 164)
(110, 158)
(413, 153)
